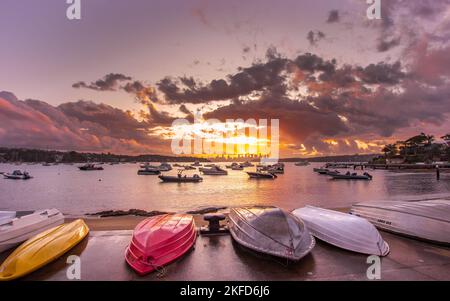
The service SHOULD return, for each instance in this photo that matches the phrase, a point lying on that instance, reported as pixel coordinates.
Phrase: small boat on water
(196, 163)
(321, 170)
(270, 230)
(16, 230)
(160, 240)
(42, 249)
(179, 178)
(351, 176)
(89, 167)
(46, 164)
(189, 167)
(343, 230)
(426, 220)
(237, 167)
(234, 166)
(213, 171)
(333, 172)
(17, 175)
(148, 171)
(261, 175)
(161, 167)
(246, 164)
(302, 163)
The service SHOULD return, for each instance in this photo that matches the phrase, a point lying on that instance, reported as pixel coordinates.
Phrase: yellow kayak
(42, 249)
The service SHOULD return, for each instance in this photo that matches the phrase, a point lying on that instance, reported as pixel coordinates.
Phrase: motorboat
(333, 172)
(161, 167)
(237, 167)
(160, 240)
(209, 165)
(234, 166)
(321, 170)
(148, 171)
(261, 175)
(426, 220)
(90, 167)
(270, 230)
(276, 168)
(189, 167)
(16, 230)
(42, 249)
(179, 178)
(165, 167)
(213, 171)
(343, 230)
(246, 164)
(302, 163)
(196, 163)
(46, 164)
(17, 175)
(351, 176)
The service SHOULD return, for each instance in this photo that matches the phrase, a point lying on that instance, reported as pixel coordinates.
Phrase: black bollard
(438, 173)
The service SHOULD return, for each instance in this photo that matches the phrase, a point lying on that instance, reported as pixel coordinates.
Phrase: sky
(116, 79)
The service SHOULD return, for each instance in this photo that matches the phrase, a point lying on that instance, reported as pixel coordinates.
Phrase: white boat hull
(271, 231)
(17, 230)
(426, 220)
(343, 230)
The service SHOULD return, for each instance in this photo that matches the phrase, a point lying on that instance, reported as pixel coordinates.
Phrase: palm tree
(390, 149)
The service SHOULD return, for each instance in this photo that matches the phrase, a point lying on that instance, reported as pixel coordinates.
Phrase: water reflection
(119, 187)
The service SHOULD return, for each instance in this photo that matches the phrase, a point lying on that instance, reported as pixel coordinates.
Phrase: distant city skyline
(115, 80)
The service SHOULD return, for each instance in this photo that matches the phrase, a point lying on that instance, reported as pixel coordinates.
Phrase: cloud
(82, 125)
(314, 37)
(109, 82)
(333, 16)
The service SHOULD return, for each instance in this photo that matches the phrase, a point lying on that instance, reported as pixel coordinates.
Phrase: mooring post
(438, 173)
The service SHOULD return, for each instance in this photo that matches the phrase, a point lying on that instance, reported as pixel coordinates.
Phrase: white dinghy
(270, 230)
(343, 230)
(427, 220)
(16, 230)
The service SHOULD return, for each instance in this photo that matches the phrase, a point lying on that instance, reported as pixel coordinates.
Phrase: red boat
(160, 240)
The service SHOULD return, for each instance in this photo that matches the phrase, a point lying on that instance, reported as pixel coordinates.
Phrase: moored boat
(261, 175)
(16, 230)
(42, 249)
(159, 240)
(246, 164)
(427, 220)
(213, 171)
(321, 170)
(302, 163)
(343, 230)
(270, 230)
(17, 175)
(148, 171)
(350, 176)
(90, 167)
(179, 178)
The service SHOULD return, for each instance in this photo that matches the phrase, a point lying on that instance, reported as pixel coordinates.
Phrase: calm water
(77, 192)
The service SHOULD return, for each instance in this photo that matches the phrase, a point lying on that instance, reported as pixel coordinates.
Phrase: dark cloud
(257, 77)
(385, 45)
(333, 16)
(382, 73)
(109, 82)
(82, 125)
(314, 37)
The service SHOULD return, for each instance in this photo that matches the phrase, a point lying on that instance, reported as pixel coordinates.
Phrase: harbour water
(76, 192)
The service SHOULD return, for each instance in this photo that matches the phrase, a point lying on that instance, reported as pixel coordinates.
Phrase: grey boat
(270, 230)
